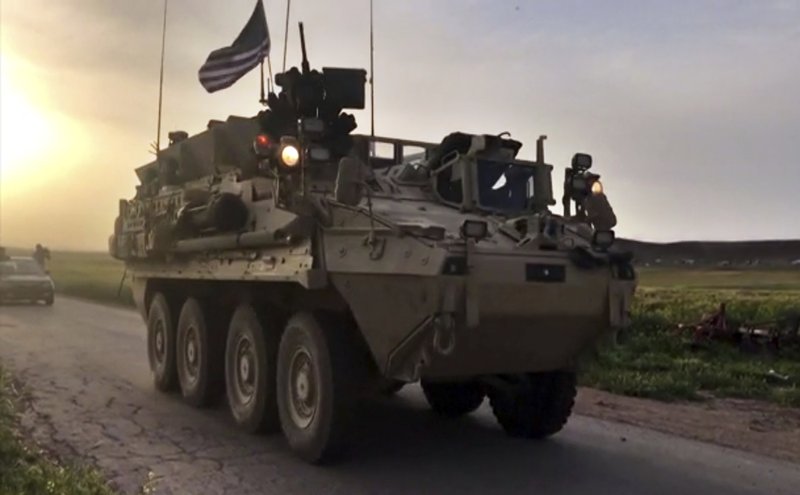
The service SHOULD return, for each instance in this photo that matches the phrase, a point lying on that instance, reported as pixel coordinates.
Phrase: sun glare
(26, 132)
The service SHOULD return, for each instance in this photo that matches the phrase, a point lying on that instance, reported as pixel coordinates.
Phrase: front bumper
(508, 314)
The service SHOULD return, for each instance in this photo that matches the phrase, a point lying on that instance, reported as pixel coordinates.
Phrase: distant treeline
(735, 252)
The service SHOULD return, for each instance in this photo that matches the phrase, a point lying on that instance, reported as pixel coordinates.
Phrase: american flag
(225, 66)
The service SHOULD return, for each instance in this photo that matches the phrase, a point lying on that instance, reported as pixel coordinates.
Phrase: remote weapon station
(293, 267)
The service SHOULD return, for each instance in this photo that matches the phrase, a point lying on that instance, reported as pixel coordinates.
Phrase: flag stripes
(225, 66)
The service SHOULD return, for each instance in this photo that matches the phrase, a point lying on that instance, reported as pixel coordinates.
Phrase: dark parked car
(23, 279)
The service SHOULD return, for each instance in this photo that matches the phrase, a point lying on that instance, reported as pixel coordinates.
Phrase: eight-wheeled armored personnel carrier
(297, 267)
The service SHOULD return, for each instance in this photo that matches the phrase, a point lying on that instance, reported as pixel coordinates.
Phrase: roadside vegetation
(651, 359)
(26, 471)
(764, 279)
(95, 276)
(655, 360)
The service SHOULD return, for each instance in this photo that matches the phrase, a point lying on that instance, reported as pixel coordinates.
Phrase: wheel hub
(302, 386)
(159, 341)
(191, 352)
(246, 370)
(302, 389)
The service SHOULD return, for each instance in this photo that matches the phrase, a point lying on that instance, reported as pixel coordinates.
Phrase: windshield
(20, 267)
(504, 186)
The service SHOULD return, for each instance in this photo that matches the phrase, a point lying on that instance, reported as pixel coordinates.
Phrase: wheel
(199, 363)
(49, 300)
(250, 359)
(161, 344)
(318, 377)
(538, 408)
(453, 399)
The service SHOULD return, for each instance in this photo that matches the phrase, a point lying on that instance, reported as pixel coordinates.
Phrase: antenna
(271, 78)
(371, 75)
(161, 80)
(306, 66)
(263, 98)
(371, 240)
(286, 34)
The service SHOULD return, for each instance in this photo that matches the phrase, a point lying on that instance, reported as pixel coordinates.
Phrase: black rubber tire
(258, 334)
(162, 362)
(334, 364)
(453, 399)
(200, 368)
(539, 409)
(49, 300)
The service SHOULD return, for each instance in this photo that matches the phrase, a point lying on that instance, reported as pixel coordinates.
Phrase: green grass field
(654, 360)
(651, 359)
(95, 276)
(698, 278)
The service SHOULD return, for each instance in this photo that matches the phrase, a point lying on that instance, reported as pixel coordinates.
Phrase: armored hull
(288, 265)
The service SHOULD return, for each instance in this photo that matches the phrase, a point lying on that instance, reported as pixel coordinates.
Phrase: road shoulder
(748, 425)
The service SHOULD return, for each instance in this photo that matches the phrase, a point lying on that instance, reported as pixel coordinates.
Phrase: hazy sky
(690, 108)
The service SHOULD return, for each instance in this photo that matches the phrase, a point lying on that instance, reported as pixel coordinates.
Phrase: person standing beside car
(40, 254)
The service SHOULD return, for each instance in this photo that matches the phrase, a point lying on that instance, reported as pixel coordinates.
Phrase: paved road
(85, 365)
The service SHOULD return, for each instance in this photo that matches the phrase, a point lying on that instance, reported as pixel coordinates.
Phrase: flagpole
(263, 98)
(269, 67)
(161, 80)
(286, 34)
(371, 74)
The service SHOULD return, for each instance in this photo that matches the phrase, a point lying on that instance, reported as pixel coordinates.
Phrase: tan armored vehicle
(296, 267)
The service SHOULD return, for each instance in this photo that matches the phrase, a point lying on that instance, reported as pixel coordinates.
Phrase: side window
(413, 153)
(449, 183)
(384, 151)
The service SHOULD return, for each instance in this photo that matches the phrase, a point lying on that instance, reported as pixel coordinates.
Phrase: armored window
(504, 186)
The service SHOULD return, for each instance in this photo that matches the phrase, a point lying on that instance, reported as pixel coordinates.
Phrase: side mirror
(350, 181)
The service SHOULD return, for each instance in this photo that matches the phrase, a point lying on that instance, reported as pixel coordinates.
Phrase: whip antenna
(161, 80)
(371, 75)
(286, 33)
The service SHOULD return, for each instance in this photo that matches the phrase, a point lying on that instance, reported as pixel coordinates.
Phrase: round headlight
(597, 187)
(290, 155)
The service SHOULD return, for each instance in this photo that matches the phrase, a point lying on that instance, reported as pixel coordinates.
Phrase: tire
(199, 362)
(49, 300)
(250, 360)
(161, 344)
(318, 377)
(538, 409)
(453, 399)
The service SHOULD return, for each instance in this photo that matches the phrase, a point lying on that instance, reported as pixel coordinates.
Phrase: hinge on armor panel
(377, 246)
(435, 336)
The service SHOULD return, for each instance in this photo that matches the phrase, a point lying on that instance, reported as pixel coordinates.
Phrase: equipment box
(345, 86)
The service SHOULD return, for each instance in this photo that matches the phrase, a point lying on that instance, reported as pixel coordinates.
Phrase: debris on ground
(773, 376)
(769, 336)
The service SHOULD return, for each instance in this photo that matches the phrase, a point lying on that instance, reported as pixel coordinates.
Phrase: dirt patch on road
(749, 425)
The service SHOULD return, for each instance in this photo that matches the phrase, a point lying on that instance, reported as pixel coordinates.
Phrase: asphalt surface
(91, 395)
